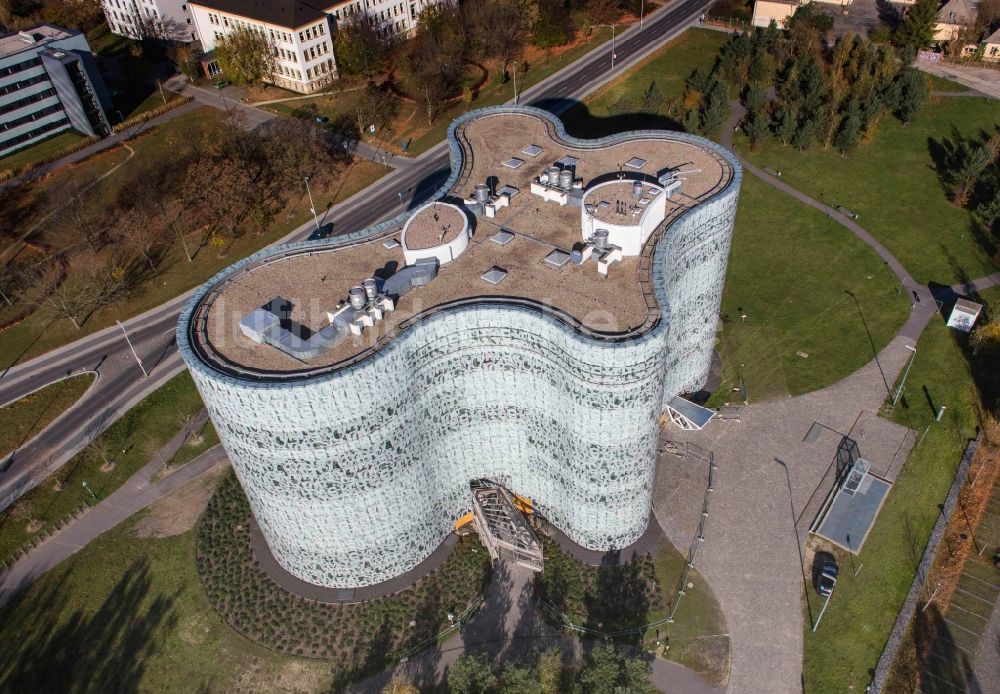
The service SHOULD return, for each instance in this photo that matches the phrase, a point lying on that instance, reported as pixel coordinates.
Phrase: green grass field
(789, 268)
(668, 67)
(850, 638)
(42, 150)
(130, 614)
(129, 443)
(32, 413)
(893, 184)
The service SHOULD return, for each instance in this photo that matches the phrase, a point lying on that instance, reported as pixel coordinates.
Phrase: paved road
(120, 384)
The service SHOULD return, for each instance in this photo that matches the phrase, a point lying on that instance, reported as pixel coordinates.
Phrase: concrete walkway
(136, 494)
(510, 627)
(983, 80)
(110, 141)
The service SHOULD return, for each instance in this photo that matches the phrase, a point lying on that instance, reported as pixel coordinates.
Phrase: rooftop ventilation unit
(635, 163)
(532, 150)
(482, 193)
(513, 163)
(494, 275)
(502, 237)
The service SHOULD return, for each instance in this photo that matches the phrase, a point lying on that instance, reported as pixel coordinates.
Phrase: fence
(909, 607)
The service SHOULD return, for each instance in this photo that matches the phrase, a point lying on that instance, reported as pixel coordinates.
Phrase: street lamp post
(312, 205)
(899, 390)
(613, 55)
(87, 487)
(138, 361)
(642, 11)
(515, 82)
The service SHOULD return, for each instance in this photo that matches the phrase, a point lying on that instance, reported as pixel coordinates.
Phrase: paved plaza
(769, 485)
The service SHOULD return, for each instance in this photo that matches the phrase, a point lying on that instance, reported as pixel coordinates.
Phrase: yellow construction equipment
(464, 520)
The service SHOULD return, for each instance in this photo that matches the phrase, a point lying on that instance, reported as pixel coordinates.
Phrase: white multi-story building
(167, 19)
(529, 327)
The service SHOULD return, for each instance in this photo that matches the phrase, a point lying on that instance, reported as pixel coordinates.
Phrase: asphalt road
(121, 384)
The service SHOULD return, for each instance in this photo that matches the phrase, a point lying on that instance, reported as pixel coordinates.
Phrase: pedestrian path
(136, 494)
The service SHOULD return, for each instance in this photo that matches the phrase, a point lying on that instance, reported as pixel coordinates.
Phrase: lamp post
(899, 391)
(87, 487)
(515, 82)
(613, 56)
(642, 11)
(138, 361)
(312, 205)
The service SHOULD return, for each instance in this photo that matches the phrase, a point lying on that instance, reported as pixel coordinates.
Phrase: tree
(185, 58)
(755, 128)
(805, 134)
(399, 686)
(786, 124)
(653, 98)
(986, 336)
(85, 215)
(917, 29)
(519, 679)
(608, 670)
(551, 27)
(134, 227)
(472, 674)
(849, 133)
(716, 108)
(495, 29)
(361, 48)
(550, 671)
(912, 93)
(963, 168)
(246, 56)
(374, 106)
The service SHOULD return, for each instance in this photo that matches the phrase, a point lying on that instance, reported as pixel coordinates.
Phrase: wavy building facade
(507, 331)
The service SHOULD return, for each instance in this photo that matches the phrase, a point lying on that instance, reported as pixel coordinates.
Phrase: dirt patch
(177, 512)
(295, 676)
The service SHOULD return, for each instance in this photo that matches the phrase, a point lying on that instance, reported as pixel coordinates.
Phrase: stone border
(909, 607)
(649, 541)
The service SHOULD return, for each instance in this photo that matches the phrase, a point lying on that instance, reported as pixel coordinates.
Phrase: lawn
(26, 417)
(36, 334)
(940, 84)
(130, 614)
(128, 443)
(40, 151)
(852, 634)
(629, 596)
(602, 112)
(789, 269)
(892, 183)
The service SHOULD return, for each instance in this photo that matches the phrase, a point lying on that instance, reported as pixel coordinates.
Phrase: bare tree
(134, 227)
(84, 215)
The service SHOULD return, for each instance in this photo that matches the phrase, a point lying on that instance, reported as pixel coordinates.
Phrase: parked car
(221, 84)
(825, 571)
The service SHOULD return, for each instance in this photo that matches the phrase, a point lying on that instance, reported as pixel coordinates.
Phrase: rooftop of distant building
(36, 36)
(291, 14)
(526, 242)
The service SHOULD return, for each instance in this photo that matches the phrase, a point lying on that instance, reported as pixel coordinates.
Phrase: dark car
(322, 232)
(825, 573)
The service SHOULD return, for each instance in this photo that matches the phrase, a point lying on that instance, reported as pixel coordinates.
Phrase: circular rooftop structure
(437, 230)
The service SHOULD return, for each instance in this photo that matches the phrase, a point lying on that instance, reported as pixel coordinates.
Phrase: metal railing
(705, 456)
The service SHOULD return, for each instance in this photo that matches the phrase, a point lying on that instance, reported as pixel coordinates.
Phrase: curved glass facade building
(529, 328)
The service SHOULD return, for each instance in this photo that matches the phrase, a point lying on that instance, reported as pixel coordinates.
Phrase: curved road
(121, 383)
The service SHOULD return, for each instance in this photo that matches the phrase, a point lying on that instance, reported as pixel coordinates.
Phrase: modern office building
(49, 82)
(300, 33)
(139, 19)
(531, 326)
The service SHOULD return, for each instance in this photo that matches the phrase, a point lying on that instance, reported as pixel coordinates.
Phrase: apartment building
(167, 19)
(49, 82)
(301, 34)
